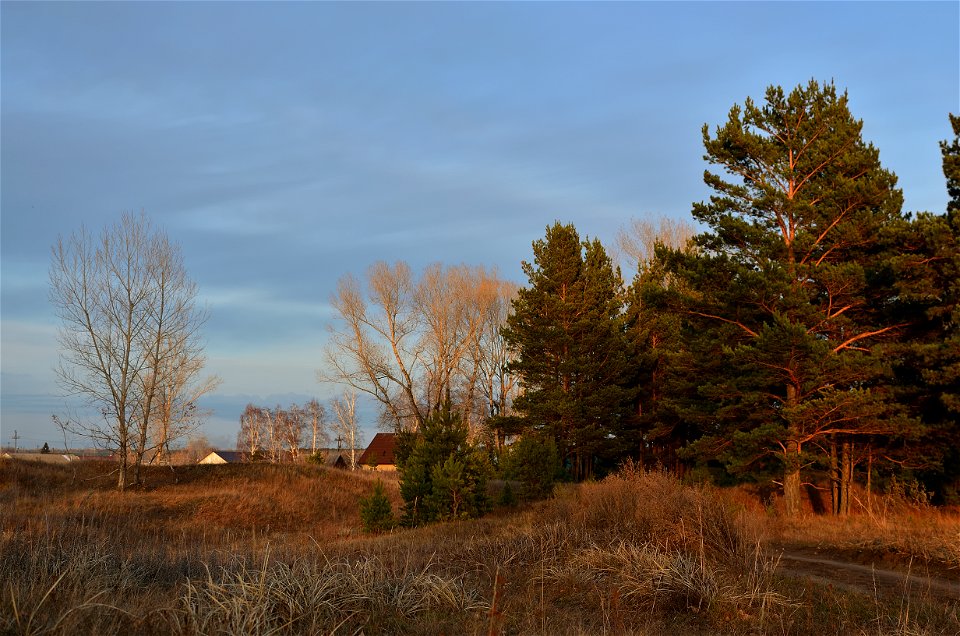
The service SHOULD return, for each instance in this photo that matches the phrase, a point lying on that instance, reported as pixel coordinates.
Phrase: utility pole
(15, 438)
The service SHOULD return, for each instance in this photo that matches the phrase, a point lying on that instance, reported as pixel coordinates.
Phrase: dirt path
(867, 579)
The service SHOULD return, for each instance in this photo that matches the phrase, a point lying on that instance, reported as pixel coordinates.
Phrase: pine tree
(926, 271)
(534, 462)
(441, 475)
(567, 331)
(376, 514)
(787, 283)
(669, 358)
(951, 166)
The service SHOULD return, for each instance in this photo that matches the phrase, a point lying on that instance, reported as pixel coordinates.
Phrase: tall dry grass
(893, 530)
(637, 553)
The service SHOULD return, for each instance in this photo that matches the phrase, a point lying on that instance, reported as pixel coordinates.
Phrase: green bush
(507, 498)
(376, 514)
(533, 460)
(319, 458)
(441, 475)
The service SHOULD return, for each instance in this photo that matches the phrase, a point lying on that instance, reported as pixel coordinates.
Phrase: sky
(284, 145)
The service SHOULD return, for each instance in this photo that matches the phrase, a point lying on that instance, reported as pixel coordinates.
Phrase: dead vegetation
(910, 537)
(275, 549)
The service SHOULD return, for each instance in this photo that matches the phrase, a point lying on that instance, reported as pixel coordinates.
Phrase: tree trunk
(846, 476)
(834, 479)
(791, 463)
(122, 477)
(791, 478)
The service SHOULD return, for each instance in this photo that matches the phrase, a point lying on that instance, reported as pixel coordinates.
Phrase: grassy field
(258, 549)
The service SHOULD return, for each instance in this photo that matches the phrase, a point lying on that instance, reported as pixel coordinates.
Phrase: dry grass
(268, 549)
(311, 597)
(895, 533)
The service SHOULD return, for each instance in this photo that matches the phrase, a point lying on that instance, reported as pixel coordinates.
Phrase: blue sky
(283, 145)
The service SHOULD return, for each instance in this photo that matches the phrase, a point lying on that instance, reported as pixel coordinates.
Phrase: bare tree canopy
(636, 242)
(413, 344)
(130, 337)
(277, 434)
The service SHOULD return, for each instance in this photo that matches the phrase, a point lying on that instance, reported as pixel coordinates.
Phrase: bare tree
(197, 448)
(317, 416)
(345, 425)
(274, 438)
(178, 413)
(172, 384)
(293, 424)
(635, 242)
(413, 345)
(253, 431)
(127, 309)
(377, 351)
(490, 355)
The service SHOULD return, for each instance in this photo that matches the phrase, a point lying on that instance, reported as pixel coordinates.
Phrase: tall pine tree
(926, 271)
(786, 281)
(567, 331)
(669, 358)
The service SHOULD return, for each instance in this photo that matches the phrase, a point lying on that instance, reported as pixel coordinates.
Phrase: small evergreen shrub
(441, 475)
(507, 497)
(533, 460)
(376, 514)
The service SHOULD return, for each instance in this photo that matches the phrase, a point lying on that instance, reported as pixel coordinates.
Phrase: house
(333, 458)
(46, 458)
(336, 460)
(329, 457)
(379, 454)
(224, 457)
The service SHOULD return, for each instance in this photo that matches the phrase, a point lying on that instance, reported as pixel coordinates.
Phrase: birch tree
(317, 416)
(345, 424)
(253, 431)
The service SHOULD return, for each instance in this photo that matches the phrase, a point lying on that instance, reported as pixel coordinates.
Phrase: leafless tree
(414, 344)
(490, 355)
(377, 350)
(197, 448)
(292, 426)
(635, 242)
(345, 424)
(253, 431)
(274, 438)
(128, 310)
(317, 416)
(177, 412)
(278, 433)
(451, 304)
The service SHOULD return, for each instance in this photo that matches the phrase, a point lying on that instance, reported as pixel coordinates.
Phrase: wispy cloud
(310, 139)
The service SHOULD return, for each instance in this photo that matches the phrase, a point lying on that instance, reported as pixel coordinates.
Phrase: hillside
(258, 548)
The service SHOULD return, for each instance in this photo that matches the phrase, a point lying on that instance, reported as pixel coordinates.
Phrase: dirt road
(871, 579)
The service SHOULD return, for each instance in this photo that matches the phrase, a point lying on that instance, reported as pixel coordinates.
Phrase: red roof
(380, 450)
